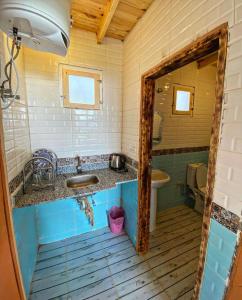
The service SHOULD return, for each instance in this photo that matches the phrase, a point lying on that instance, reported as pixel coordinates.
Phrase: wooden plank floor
(101, 265)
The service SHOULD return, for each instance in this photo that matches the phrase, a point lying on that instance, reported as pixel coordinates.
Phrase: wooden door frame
(7, 213)
(215, 40)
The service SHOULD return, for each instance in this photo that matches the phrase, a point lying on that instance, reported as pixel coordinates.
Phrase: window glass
(183, 100)
(81, 89)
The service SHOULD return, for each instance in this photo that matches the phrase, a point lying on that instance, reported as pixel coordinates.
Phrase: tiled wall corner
(15, 121)
(184, 130)
(129, 202)
(220, 251)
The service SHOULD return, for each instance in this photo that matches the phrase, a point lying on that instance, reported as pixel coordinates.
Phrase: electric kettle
(117, 162)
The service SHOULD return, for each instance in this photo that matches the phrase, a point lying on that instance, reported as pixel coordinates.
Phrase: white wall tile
(166, 27)
(180, 131)
(66, 131)
(15, 120)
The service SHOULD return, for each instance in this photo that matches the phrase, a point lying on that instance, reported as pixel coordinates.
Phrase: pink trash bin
(116, 219)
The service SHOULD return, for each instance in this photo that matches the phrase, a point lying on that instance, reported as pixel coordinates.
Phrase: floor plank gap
(100, 265)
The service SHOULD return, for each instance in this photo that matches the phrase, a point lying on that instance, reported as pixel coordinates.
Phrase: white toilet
(197, 181)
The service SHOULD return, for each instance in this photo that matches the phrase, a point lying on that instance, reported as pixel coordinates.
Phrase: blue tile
(27, 242)
(61, 219)
(212, 285)
(220, 251)
(220, 230)
(129, 194)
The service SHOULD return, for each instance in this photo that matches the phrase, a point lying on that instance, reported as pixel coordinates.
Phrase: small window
(81, 89)
(183, 98)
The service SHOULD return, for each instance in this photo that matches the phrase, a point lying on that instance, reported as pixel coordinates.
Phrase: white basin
(158, 179)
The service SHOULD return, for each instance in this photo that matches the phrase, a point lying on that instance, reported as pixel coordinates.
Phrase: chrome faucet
(78, 167)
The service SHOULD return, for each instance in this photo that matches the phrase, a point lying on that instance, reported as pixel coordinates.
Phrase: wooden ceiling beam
(106, 19)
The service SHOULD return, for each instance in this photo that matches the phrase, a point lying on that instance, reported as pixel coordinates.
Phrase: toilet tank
(191, 174)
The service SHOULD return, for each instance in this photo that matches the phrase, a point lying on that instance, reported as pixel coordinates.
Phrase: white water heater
(41, 24)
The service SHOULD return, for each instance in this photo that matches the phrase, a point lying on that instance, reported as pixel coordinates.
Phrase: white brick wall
(15, 121)
(69, 132)
(167, 26)
(184, 130)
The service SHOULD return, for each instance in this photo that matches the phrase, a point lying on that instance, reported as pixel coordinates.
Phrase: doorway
(216, 40)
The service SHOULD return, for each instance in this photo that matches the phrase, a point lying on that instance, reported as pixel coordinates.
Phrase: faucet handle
(78, 166)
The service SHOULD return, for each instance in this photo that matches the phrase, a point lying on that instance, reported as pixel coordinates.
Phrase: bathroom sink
(81, 181)
(159, 178)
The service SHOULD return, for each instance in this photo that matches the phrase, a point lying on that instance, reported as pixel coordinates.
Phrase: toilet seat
(201, 178)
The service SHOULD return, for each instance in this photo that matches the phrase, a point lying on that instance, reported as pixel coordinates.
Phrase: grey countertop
(107, 179)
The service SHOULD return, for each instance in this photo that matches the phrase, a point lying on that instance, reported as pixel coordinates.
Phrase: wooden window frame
(215, 40)
(179, 87)
(66, 72)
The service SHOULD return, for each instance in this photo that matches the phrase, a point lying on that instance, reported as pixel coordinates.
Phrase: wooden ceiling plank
(126, 16)
(120, 24)
(106, 19)
(87, 14)
(123, 17)
(130, 10)
(95, 10)
(86, 28)
(90, 15)
(140, 4)
(81, 17)
(83, 4)
(120, 33)
(115, 36)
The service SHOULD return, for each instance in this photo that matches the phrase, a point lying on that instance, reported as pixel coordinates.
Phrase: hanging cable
(6, 93)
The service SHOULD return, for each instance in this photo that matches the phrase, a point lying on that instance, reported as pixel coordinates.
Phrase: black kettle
(117, 162)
